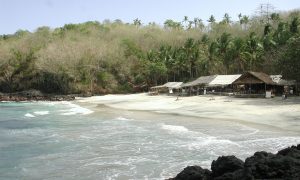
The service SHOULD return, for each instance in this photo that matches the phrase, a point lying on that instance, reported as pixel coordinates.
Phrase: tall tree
(137, 22)
(211, 19)
(253, 52)
(294, 25)
(226, 19)
(289, 63)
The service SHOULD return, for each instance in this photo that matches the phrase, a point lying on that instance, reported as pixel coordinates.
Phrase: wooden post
(265, 90)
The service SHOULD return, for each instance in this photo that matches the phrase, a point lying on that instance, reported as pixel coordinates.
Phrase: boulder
(226, 164)
(285, 164)
(262, 165)
(193, 173)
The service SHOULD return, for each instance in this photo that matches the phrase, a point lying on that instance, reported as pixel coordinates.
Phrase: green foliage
(53, 82)
(289, 62)
(294, 25)
(18, 71)
(113, 56)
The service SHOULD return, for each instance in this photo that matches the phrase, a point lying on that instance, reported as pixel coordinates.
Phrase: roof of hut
(251, 77)
(173, 85)
(203, 80)
(224, 80)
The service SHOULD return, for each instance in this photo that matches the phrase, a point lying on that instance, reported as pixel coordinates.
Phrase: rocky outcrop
(226, 166)
(262, 165)
(193, 173)
(34, 95)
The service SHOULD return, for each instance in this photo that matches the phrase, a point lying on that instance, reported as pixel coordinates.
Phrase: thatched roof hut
(254, 78)
(223, 80)
(201, 81)
(254, 84)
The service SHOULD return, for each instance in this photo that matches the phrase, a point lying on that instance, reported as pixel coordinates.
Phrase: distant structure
(265, 11)
(248, 84)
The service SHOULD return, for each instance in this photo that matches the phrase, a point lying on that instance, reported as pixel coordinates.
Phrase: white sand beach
(274, 112)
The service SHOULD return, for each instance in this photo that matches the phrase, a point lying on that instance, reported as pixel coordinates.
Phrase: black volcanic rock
(193, 173)
(284, 165)
(262, 165)
(226, 164)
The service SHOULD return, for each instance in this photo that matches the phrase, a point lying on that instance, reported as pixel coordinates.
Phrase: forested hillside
(117, 57)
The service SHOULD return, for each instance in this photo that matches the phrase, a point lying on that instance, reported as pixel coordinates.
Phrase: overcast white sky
(31, 14)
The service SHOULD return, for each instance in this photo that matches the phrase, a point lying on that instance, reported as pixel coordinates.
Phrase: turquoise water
(44, 140)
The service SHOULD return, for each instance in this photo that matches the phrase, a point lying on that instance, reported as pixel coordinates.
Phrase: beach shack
(253, 84)
(197, 86)
(171, 88)
(222, 84)
(284, 86)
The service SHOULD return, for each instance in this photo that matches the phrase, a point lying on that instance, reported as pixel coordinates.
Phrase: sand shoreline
(283, 114)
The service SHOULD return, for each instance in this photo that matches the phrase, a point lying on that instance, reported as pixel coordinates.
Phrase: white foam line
(29, 115)
(174, 128)
(41, 113)
(76, 109)
(123, 119)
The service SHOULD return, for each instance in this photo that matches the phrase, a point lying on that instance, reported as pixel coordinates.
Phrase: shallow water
(66, 141)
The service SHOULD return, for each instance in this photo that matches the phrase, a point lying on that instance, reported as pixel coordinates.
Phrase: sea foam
(41, 113)
(29, 115)
(123, 119)
(174, 128)
(76, 109)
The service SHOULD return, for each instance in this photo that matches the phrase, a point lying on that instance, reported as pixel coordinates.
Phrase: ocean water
(62, 140)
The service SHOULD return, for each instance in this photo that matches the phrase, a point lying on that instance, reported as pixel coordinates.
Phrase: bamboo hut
(222, 84)
(253, 84)
(197, 86)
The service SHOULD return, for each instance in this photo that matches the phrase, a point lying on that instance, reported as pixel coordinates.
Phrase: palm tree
(212, 51)
(223, 44)
(235, 52)
(244, 22)
(281, 35)
(169, 23)
(226, 18)
(240, 17)
(190, 24)
(294, 25)
(211, 19)
(198, 23)
(137, 22)
(254, 51)
(275, 17)
(185, 21)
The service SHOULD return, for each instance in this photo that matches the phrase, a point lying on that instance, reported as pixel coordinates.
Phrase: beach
(274, 112)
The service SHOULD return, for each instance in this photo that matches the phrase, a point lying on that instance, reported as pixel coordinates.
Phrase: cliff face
(262, 165)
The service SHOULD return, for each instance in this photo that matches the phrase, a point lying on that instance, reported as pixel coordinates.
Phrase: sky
(31, 14)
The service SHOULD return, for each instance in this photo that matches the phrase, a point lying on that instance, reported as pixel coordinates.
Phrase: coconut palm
(211, 19)
(226, 19)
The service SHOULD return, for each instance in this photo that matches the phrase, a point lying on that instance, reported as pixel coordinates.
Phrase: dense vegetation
(114, 57)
